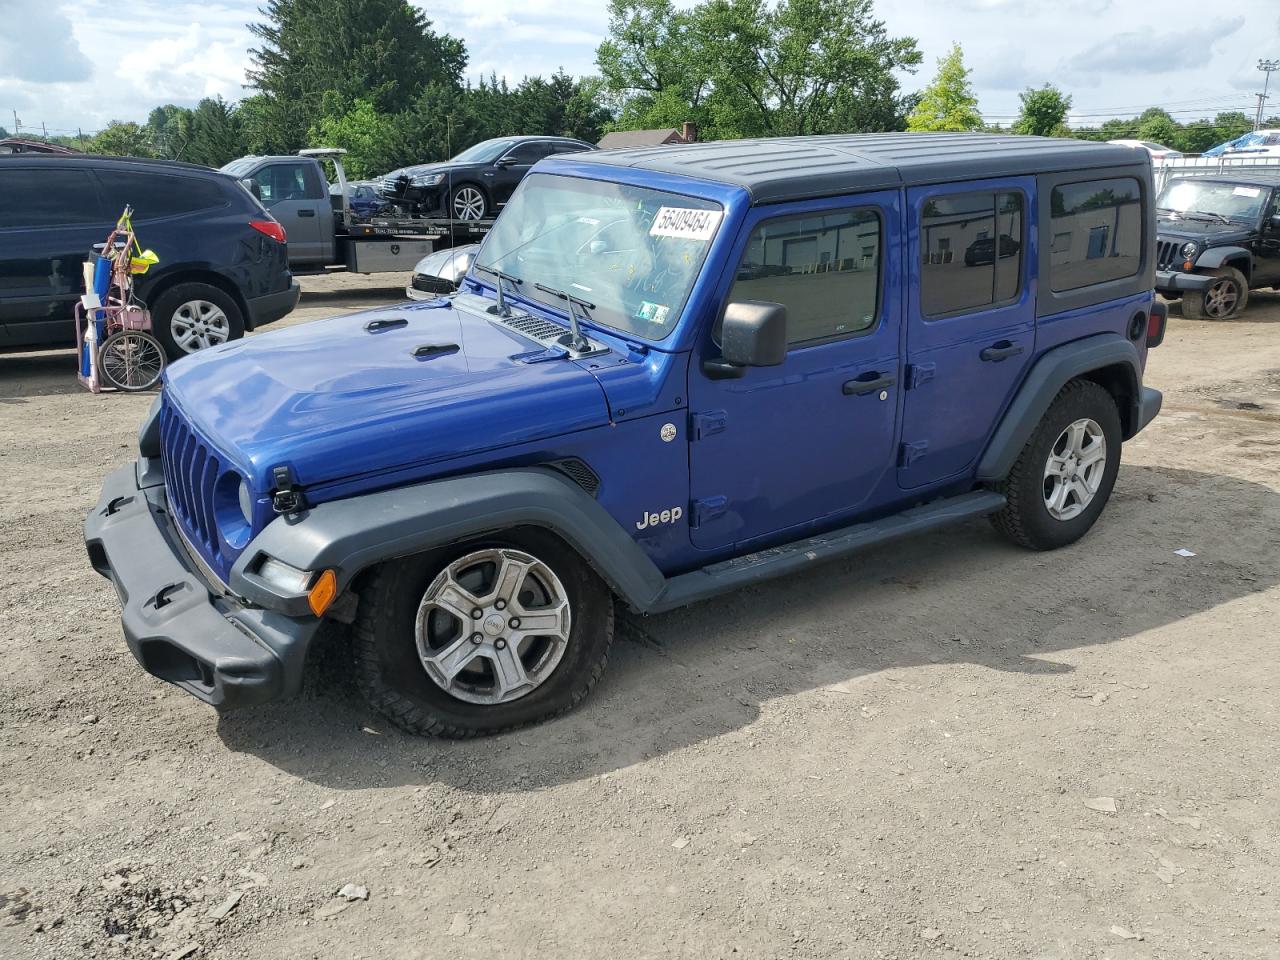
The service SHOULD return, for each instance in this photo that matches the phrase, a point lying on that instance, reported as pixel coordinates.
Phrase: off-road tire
(1025, 519)
(1197, 304)
(168, 303)
(390, 674)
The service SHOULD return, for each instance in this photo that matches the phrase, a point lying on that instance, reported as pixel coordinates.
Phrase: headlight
(246, 502)
(283, 576)
(428, 180)
(1189, 250)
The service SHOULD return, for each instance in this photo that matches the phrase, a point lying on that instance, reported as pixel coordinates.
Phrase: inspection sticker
(685, 223)
(653, 312)
(1247, 191)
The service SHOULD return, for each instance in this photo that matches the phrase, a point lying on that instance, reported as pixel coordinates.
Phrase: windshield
(483, 152)
(631, 252)
(238, 168)
(1235, 201)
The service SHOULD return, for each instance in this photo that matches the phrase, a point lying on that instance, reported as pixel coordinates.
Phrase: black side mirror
(1273, 223)
(504, 162)
(754, 334)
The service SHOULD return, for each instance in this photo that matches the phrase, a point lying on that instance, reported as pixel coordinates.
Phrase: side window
(280, 181)
(971, 251)
(530, 152)
(1097, 233)
(155, 195)
(570, 148)
(49, 197)
(824, 268)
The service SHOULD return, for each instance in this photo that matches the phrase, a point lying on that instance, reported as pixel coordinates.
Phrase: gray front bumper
(180, 630)
(1175, 280)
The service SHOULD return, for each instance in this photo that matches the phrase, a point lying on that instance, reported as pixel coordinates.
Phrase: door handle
(868, 383)
(1000, 350)
(306, 213)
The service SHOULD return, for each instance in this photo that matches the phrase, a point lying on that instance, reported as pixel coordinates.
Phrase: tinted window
(571, 148)
(971, 251)
(825, 269)
(155, 195)
(280, 181)
(33, 197)
(530, 152)
(1097, 230)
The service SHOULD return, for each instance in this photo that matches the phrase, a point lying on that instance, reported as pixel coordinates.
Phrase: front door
(511, 168)
(970, 320)
(806, 443)
(1266, 265)
(291, 191)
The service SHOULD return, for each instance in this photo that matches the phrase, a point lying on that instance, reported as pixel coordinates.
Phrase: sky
(78, 65)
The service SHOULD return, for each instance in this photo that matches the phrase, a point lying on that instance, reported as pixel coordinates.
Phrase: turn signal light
(270, 227)
(322, 593)
(1188, 266)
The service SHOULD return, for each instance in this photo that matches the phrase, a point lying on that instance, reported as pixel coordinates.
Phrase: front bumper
(180, 629)
(273, 306)
(1171, 281)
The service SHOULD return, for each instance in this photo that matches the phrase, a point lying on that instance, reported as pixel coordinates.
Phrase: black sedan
(475, 183)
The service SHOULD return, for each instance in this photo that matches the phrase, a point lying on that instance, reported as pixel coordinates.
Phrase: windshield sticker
(589, 221)
(685, 223)
(1246, 191)
(653, 312)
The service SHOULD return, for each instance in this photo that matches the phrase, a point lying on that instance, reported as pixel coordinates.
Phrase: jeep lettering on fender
(471, 476)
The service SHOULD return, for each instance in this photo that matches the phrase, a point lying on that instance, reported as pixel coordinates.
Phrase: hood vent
(547, 333)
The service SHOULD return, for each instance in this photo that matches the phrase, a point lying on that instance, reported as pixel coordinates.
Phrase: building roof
(792, 168)
(25, 145)
(640, 138)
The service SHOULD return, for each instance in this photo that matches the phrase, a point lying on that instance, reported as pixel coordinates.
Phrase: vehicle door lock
(287, 498)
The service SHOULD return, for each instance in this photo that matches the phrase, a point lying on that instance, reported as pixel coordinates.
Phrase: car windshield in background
(483, 152)
(632, 252)
(238, 168)
(1206, 198)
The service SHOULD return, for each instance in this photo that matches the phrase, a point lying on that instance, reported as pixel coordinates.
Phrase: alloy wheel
(1074, 470)
(198, 324)
(493, 626)
(468, 204)
(1221, 298)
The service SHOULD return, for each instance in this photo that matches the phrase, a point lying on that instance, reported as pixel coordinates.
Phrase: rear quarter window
(1096, 227)
(156, 195)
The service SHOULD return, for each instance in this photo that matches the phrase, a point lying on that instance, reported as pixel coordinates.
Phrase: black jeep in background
(223, 262)
(1218, 237)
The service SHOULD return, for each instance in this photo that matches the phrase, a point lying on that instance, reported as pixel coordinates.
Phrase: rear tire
(1224, 299)
(193, 316)
(1065, 473)
(475, 673)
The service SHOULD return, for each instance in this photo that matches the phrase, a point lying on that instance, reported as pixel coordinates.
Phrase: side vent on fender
(577, 471)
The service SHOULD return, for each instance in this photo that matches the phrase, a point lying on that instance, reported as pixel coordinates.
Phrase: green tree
(331, 53)
(169, 128)
(948, 103)
(120, 139)
(1156, 126)
(3, 133)
(1044, 112)
(216, 134)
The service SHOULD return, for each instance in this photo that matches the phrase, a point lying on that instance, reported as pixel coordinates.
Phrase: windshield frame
(1265, 193)
(593, 318)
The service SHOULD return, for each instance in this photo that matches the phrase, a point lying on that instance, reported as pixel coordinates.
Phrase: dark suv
(223, 263)
(475, 183)
(1218, 237)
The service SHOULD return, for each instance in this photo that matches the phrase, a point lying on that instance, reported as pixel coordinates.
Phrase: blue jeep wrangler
(670, 372)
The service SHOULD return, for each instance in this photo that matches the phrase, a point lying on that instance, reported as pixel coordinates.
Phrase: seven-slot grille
(1168, 254)
(190, 471)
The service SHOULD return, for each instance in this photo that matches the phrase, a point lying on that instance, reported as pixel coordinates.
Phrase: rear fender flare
(351, 535)
(1049, 375)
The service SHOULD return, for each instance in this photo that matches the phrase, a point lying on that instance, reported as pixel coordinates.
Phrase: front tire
(192, 316)
(1065, 473)
(482, 637)
(1224, 299)
(468, 202)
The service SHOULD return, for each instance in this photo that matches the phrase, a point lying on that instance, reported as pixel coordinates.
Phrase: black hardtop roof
(93, 159)
(793, 168)
(1257, 178)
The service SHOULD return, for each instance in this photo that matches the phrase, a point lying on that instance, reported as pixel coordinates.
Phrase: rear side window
(825, 269)
(971, 251)
(49, 197)
(1097, 233)
(155, 195)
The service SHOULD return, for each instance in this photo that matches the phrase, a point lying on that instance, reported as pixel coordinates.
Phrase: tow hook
(287, 498)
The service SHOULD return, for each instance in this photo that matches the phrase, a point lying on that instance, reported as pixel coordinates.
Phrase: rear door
(784, 448)
(296, 195)
(970, 320)
(50, 218)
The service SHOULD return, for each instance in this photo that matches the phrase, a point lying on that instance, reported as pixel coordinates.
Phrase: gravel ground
(945, 748)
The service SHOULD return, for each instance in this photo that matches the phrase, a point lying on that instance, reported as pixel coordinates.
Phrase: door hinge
(920, 373)
(707, 509)
(703, 425)
(909, 453)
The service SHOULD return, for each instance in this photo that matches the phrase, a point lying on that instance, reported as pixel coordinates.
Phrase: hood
(333, 400)
(416, 170)
(1168, 228)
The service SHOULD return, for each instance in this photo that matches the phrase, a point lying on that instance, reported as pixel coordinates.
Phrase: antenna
(448, 198)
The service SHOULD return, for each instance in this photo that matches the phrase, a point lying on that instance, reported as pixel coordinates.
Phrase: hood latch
(287, 498)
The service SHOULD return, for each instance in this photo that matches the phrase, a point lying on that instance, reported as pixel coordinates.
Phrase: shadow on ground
(43, 374)
(963, 596)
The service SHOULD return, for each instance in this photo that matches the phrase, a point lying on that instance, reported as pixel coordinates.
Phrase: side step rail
(728, 575)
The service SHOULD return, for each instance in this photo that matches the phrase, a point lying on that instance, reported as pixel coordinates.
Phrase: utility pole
(1268, 67)
(17, 124)
(44, 133)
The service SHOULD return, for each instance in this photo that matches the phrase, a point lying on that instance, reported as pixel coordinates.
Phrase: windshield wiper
(577, 342)
(500, 307)
(1208, 213)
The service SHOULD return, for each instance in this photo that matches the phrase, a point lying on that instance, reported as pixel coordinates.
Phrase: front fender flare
(1049, 374)
(1215, 257)
(350, 535)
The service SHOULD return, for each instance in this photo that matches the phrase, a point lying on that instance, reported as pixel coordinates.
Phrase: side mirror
(753, 334)
(1273, 223)
(504, 162)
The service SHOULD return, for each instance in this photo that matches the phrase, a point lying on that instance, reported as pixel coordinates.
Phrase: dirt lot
(913, 754)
